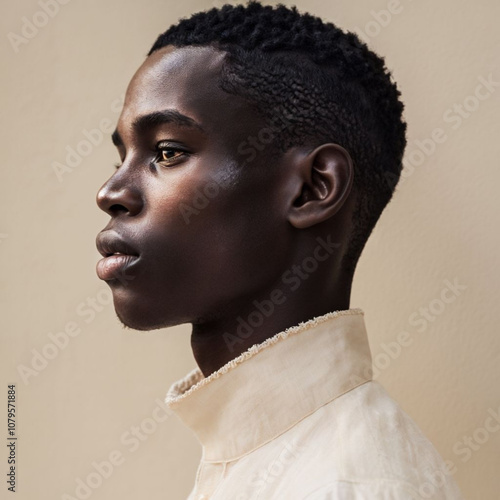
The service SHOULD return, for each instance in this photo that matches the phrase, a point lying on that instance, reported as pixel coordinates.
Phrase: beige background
(442, 225)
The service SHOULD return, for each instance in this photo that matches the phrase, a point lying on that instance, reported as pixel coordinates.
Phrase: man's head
(248, 132)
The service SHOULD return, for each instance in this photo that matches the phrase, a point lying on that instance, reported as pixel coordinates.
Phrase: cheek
(237, 238)
(220, 234)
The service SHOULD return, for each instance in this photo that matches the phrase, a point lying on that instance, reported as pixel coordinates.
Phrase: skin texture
(213, 267)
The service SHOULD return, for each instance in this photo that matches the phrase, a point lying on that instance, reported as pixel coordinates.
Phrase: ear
(321, 183)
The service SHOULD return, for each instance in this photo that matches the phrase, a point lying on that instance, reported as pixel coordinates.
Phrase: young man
(258, 148)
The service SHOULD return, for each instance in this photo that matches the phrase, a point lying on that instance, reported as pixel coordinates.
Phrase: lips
(118, 255)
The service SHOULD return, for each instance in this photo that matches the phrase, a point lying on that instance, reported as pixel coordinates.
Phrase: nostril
(117, 208)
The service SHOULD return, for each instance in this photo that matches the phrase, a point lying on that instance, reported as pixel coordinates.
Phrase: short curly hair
(326, 82)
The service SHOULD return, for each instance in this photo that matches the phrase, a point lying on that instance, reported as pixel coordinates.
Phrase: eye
(117, 165)
(169, 154)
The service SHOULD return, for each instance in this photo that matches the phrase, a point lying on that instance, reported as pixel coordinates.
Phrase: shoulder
(364, 444)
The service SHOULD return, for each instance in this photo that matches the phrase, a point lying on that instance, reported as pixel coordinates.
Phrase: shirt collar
(273, 385)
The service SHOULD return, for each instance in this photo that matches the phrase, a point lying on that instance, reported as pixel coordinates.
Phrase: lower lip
(113, 267)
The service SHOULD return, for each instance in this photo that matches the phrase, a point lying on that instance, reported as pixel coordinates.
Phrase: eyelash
(160, 149)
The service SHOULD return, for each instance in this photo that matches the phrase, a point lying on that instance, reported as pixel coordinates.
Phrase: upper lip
(110, 243)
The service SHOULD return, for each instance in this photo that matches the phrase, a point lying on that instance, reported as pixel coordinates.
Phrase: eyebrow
(144, 122)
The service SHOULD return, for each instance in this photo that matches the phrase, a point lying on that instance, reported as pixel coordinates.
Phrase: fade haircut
(326, 82)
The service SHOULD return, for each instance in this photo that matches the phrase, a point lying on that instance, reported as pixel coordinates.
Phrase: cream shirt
(298, 417)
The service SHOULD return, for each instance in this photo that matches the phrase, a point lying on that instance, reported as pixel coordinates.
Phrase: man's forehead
(171, 61)
(175, 77)
(186, 79)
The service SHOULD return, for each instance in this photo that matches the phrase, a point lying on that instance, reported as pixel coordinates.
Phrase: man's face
(207, 231)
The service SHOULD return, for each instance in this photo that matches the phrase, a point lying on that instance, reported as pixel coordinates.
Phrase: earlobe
(323, 181)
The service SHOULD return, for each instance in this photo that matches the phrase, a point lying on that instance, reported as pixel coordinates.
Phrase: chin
(143, 318)
(137, 325)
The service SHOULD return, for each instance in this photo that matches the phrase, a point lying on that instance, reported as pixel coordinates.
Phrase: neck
(220, 340)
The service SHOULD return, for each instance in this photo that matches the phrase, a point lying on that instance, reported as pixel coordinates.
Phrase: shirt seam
(222, 477)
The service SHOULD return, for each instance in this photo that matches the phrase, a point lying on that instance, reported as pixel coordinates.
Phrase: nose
(116, 198)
